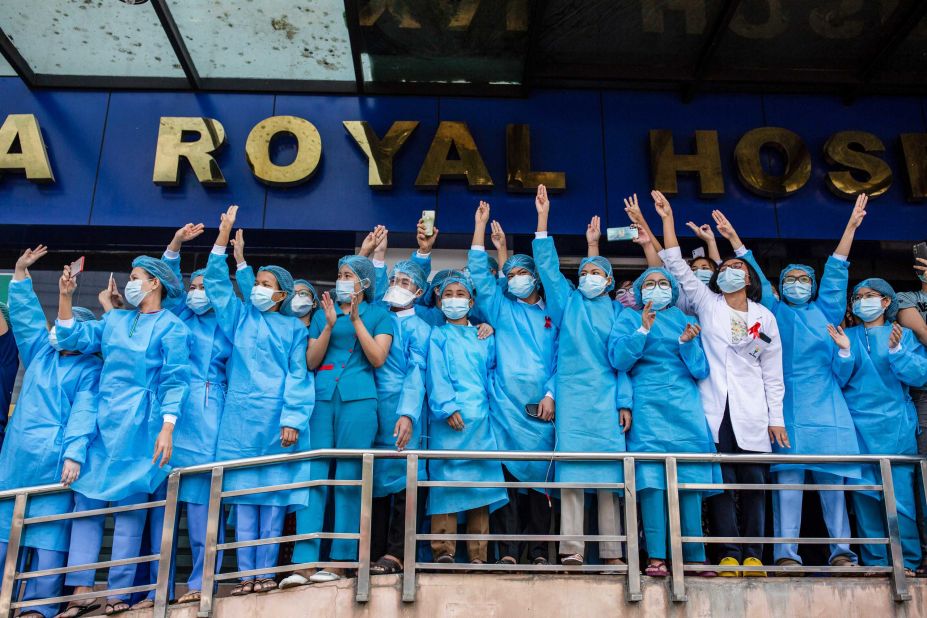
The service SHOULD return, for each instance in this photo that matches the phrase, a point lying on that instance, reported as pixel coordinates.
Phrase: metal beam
(11, 54)
(352, 18)
(176, 38)
(709, 47)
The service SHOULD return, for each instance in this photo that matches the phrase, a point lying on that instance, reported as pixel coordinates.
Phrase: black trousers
(388, 526)
(722, 509)
(525, 513)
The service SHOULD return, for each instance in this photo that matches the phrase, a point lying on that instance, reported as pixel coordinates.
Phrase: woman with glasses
(660, 351)
(816, 414)
(886, 361)
(742, 395)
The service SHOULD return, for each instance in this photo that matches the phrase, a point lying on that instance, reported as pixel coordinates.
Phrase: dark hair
(754, 288)
(711, 263)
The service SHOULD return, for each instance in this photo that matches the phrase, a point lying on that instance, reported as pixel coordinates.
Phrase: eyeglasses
(663, 284)
(866, 295)
(622, 291)
(737, 265)
(802, 279)
(304, 293)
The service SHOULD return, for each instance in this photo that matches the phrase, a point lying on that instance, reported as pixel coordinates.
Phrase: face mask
(592, 286)
(197, 302)
(344, 290)
(134, 293)
(455, 308)
(53, 339)
(522, 286)
(703, 275)
(301, 305)
(658, 296)
(627, 300)
(732, 280)
(262, 298)
(399, 297)
(798, 293)
(868, 309)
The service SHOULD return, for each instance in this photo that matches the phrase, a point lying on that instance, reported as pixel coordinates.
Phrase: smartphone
(77, 266)
(698, 252)
(621, 233)
(920, 251)
(428, 219)
(531, 409)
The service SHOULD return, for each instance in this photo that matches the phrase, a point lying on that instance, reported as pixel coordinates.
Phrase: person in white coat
(743, 393)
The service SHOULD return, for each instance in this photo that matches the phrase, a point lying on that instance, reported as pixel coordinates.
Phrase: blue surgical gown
(269, 388)
(589, 391)
(526, 356)
(458, 380)
(146, 375)
(54, 420)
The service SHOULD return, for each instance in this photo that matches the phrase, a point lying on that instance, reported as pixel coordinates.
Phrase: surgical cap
(285, 282)
(639, 284)
(82, 314)
(197, 273)
(520, 260)
(428, 299)
(882, 287)
(602, 263)
(363, 268)
(456, 276)
(162, 272)
(410, 268)
(805, 269)
(308, 285)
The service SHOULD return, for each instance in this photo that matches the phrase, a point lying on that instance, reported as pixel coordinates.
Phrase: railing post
(899, 581)
(363, 545)
(12, 554)
(166, 553)
(630, 530)
(675, 531)
(411, 530)
(213, 521)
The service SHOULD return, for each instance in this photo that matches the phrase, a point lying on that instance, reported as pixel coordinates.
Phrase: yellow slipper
(753, 562)
(728, 562)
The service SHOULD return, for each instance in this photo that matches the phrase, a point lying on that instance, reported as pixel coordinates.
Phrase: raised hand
(227, 219)
(238, 246)
(187, 233)
(859, 211)
(110, 297)
(67, 284)
(648, 315)
(643, 238)
(481, 217)
(839, 337)
(425, 243)
(379, 252)
(691, 332)
(541, 203)
(498, 237)
(372, 240)
(328, 306)
(661, 204)
(30, 257)
(633, 210)
(920, 264)
(355, 307)
(894, 339)
(702, 232)
(594, 231)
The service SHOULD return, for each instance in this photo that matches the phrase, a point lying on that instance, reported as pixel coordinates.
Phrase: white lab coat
(748, 375)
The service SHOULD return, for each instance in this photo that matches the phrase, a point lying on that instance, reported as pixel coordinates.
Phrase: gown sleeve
(624, 392)
(174, 381)
(557, 288)
(219, 289)
(174, 305)
(769, 299)
(442, 397)
(693, 356)
(244, 278)
(82, 421)
(424, 262)
(27, 320)
(842, 366)
(626, 342)
(83, 337)
(488, 293)
(910, 364)
(697, 292)
(299, 386)
(380, 282)
(413, 387)
(832, 292)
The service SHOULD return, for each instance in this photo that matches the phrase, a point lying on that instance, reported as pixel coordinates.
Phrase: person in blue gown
(348, 340)
(593, 400)
(526, 353)
(816, 415)
(658, 347)
(458, 380)
(887, 360)
(9, 366)
(269, 402)
(48, 436)
(144, 385)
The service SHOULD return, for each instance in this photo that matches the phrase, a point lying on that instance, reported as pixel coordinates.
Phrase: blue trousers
(870, 520)
(41, 587)
(338, 424)
(87, 538)
(655, 516)
(787, 513)
(253, 522)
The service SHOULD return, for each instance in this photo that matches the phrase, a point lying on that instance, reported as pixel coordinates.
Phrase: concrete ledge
(580, 596)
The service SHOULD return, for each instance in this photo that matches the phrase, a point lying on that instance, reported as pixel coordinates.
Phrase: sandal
(264, 584)
(117, 607)
(31, 614)
(191, 597)
(76, 610)
(146, 604)
(385, 566)
(245, 587)
(656, 569)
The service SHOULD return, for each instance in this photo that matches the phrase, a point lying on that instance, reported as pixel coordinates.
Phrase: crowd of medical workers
(693, 356)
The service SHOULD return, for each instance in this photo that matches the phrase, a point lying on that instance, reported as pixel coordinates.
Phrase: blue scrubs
(459, 378)
(816, 415)
(269, 388)
(55, 418)
(145, 376)
(886, 423)
(664, 370)
(345, 417)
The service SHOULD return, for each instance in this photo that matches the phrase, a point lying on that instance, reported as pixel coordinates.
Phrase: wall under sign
(102, 147)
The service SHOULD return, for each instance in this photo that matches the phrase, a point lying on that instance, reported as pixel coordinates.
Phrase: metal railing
(410, 563)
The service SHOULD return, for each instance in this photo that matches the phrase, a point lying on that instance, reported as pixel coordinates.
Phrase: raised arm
(84, 337)
(856, 219)
(488, 294)
(426, 244)
(696, 291)
(645, 238)
(704, 233)
(500, 243)
(593, 236)
(219, 288)
(26, 315)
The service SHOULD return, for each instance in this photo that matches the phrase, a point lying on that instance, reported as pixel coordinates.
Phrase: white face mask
(399, 297)
(301, 305)
(53, 339)
(198, 302)
(592, 286)
(262, 298)
(344, 290)
(134, 293)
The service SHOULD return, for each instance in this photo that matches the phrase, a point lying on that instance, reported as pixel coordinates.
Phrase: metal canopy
(473, 47)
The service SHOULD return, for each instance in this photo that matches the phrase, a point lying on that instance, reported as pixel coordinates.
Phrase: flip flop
(82, 610)
(657, 569)
(385, 566)
(119, 607)
(146, 604)
(190, 597)
(245, 587)
(264, 585)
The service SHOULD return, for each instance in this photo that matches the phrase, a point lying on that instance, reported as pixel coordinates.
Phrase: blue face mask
(455, 308)
(732, 280)
(658, 296)
(592, 286)
(344, 290)
(868, 309)
(262, 298)
(198, 302)
(797, 293)
(522, 286)
(703, 275)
